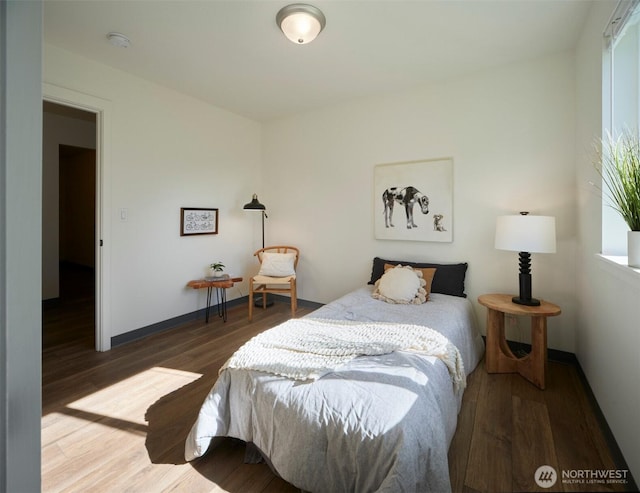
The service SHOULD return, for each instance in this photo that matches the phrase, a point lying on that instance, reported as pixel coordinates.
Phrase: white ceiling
(232, 54)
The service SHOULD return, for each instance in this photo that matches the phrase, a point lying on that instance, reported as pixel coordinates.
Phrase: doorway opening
(69, 229)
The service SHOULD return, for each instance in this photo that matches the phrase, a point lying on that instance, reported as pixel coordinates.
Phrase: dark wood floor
(116, 421)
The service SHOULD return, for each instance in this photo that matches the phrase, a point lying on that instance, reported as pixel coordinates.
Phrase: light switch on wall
(124, 214)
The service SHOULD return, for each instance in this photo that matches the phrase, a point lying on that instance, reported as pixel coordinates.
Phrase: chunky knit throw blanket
(307, 348)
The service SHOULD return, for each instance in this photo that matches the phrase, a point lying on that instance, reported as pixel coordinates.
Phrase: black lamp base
(527, 302)
(525, 282)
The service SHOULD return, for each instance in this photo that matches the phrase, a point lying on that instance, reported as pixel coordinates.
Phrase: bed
(381, 422)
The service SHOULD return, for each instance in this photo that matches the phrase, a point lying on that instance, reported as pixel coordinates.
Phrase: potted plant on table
(619, 168)
(217, 269)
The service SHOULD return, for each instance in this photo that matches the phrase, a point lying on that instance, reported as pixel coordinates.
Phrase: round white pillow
(399, 284)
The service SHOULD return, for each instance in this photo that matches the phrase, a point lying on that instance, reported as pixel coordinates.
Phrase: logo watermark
(546, 476)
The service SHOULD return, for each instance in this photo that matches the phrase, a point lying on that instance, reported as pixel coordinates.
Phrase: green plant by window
(217, 266)
(620, 171)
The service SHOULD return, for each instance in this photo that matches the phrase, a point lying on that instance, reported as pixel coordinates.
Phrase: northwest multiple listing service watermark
(546, 476)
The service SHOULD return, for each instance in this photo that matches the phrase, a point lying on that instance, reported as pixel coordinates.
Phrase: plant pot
(633, 249)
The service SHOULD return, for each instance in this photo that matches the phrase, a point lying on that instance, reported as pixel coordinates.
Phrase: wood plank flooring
(116, 421)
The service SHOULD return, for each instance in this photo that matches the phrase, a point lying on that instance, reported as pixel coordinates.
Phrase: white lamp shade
(524, 233)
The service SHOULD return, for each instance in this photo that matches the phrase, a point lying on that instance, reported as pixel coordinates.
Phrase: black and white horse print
(408, 197)
(437, 222)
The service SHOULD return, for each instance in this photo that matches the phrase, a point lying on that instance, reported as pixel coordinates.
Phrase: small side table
(221, 286)
(499, 358)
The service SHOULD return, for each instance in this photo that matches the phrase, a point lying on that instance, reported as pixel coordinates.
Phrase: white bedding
(309, 348)
(378, 423)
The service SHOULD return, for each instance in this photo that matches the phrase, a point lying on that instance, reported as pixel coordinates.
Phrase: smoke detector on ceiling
(119, 40)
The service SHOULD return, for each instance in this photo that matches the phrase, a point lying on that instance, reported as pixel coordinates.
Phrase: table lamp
(526, 234)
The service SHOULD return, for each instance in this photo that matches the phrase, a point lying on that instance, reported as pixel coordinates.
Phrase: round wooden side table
(499, 358)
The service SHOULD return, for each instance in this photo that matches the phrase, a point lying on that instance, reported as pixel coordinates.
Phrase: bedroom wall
(607, 336)
(167, 151)
(510, 132)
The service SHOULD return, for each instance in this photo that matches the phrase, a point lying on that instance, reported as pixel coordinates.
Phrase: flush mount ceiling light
(119, 40)
(300, 23)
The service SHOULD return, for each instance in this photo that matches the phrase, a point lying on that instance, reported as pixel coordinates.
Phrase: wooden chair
(282, 278)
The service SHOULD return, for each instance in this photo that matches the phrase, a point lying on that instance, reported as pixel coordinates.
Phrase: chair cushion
(271, 280)
(277, 264)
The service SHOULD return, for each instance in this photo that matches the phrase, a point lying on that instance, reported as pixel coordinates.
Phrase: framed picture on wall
(198, 221)
(413, 200)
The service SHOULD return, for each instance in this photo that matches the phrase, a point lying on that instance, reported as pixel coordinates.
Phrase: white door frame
(102, 109)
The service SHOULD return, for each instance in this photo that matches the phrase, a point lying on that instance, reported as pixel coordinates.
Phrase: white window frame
(623, 27)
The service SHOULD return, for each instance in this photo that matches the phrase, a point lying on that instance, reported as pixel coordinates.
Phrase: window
(621, 109)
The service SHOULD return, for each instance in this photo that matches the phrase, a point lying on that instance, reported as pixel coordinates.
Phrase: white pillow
(277, 264)
(401, 285)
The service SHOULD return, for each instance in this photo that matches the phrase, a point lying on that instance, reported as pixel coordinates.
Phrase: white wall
(57, 129)
(607, 336)
(20, 240)
(167, 151)
(510, 132)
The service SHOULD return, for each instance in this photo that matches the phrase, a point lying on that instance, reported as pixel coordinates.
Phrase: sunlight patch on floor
(129, 399)
(74, 438)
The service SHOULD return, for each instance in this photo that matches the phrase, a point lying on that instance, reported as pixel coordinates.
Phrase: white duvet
(377, 423)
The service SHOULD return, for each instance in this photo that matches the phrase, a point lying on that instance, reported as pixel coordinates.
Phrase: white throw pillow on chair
(277, 264)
